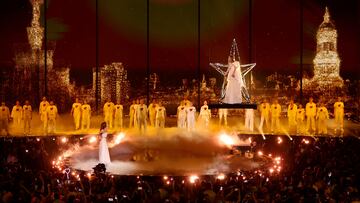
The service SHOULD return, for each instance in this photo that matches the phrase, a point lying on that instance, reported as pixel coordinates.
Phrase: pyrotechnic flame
(64, 140)
(221, 176)
(119, 137)
(305, 141)
(193, 178)
(226, 139)
(92, 139)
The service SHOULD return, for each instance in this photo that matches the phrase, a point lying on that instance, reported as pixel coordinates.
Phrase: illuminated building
(327, 61)
(29, 77)
(113, 82)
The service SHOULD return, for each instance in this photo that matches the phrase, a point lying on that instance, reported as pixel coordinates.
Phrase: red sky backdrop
(173, 34)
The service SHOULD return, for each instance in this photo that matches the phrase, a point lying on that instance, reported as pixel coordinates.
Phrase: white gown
(234, 85)
(190, 117)
(104, 156)
(181, 117)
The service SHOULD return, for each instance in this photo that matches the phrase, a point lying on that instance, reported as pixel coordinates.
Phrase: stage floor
(171, 152)
(65, 126)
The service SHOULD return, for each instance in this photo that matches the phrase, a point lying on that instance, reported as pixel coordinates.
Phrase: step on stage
(233, 106)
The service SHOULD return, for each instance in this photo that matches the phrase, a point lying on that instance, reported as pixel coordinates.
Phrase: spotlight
(38, 139)
(165, 177)
(279, 140)
(260, 153)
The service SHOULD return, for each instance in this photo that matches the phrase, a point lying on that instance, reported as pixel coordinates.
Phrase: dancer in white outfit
(104, 156)
(205, 115)
(160, 115)
(249, 119)
(181, 115)
(17, 114)
(190, 117)
(223, 116)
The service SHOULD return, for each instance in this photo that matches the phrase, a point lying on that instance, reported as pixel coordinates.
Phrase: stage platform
(232, 106)
(235, 123)
(172, 152)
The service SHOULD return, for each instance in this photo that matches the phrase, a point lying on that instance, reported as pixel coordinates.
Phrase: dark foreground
(326, 170)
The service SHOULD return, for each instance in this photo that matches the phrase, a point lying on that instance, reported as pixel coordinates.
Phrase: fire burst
(226, 139)
(221, 177)
(193, 178)
(92, 139)
(119, 137)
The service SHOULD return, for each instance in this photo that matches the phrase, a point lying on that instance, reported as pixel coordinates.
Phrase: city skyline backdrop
(173, 30)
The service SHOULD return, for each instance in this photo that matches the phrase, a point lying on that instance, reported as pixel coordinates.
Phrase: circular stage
(167, 152)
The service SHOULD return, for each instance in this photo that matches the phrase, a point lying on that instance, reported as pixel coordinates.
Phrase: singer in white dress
(235, 83)
(104, 156)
